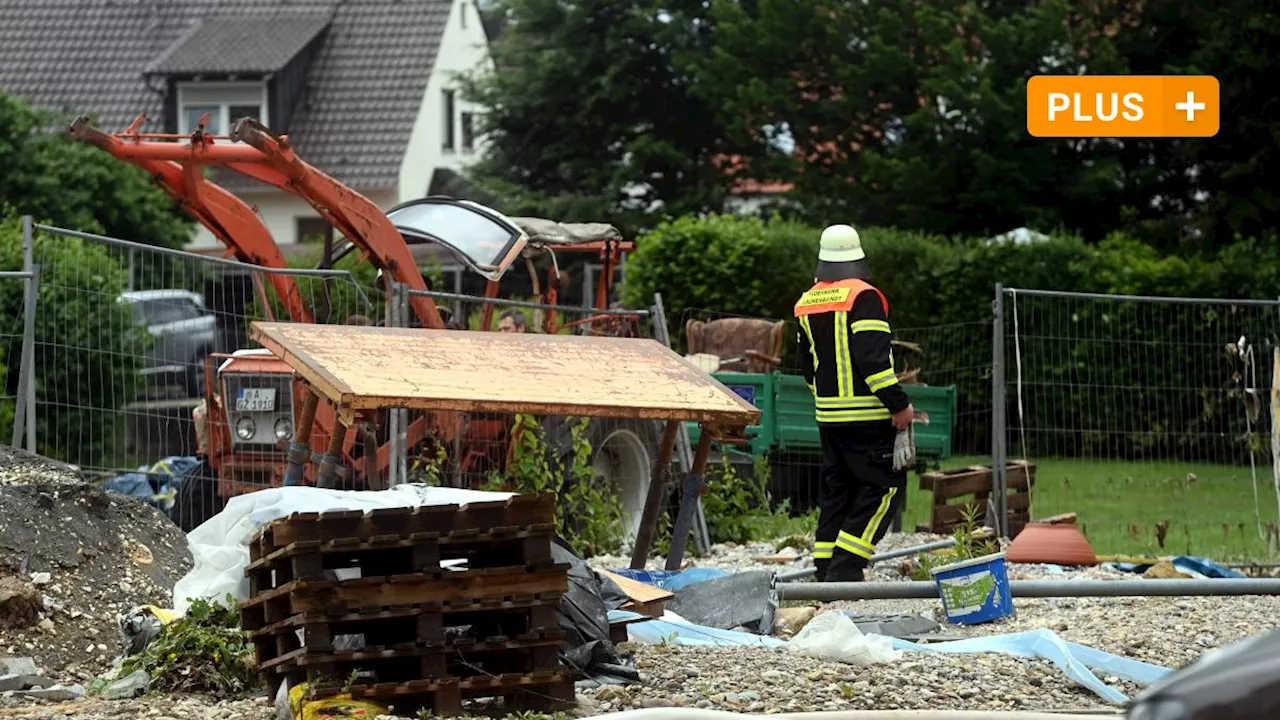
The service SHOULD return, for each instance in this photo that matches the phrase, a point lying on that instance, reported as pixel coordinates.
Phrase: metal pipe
(300, 449)
(329, 463)
(878, 557)
(648, 528)
(525, 304)
(1035, 588)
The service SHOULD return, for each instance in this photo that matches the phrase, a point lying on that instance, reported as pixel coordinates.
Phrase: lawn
(1209, 509)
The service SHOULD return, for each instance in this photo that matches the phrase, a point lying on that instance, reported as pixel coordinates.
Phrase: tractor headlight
(246, 428)
(284, 429)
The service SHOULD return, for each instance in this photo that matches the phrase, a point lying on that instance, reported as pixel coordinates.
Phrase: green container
(787, 424)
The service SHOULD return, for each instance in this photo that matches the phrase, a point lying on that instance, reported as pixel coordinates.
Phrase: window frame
(449, 108)
(244, 94)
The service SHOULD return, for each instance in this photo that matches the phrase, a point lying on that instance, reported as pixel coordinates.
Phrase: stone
(55, 693)
(22, 682)
(129, 686)
(41, 578)
(18, 666)
(20, 604)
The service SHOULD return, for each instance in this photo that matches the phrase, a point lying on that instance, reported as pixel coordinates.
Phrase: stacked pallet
(973, 487)
(408, 631)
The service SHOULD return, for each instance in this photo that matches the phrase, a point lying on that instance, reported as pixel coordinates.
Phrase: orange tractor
(255, 412)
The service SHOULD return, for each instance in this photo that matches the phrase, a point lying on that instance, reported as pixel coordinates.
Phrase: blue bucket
(974, 591)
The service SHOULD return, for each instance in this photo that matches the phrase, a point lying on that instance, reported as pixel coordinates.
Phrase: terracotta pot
(1057, 544)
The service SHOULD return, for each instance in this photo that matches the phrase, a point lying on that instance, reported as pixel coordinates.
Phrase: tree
(77, 186)
(588, 117)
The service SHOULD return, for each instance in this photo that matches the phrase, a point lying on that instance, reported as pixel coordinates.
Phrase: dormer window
(225, 102)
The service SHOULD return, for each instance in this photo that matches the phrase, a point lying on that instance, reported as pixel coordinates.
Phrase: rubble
(73, 558)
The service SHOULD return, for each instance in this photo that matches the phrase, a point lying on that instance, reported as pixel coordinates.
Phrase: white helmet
(839, 244)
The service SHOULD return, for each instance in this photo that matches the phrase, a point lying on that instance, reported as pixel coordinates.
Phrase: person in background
(512, 321)
(860, 407)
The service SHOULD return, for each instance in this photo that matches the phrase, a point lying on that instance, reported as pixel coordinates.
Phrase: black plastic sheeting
(1240, 682)
(741, 600)
(584, 616)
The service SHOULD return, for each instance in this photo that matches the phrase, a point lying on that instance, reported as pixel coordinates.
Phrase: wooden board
(372, 368)
(645, 598)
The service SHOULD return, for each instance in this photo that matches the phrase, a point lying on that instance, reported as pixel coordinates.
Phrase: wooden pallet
(375, 593)
(463, 657)
(519, 511)
(420, 624)
(386, 555)
(540, 690)
(973, 487)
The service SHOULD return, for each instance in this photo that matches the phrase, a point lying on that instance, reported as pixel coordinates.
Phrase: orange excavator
(250, 405)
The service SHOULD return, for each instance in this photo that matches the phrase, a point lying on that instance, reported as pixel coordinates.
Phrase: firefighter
(860, 407)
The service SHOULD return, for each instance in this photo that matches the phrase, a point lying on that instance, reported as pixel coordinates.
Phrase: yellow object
(338, 706)
(164, 616)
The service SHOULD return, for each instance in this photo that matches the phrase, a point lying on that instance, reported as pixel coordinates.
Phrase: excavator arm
(270, 159)
(228, 217)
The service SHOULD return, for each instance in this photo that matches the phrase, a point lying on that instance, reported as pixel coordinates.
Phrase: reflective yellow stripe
(844, 362)
(823, 550)
(834, 416)
(870, 326)
(874, 523)
(881, 380)
(848, 403)
(852, 539)
(813, 350)
(850, 547)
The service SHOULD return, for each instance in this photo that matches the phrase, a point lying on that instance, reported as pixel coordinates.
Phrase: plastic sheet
(673, 580)
(671, 628)
(739, 600)
(1072, 659)
(584, 616)
(219, 547)
(833, 636)
(1196, 567)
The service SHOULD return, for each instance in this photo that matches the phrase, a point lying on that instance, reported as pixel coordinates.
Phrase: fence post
(402, 424)
(999, 451)
(393, 417)
(24, 405)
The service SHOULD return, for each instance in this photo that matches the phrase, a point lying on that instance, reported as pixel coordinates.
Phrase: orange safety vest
(835, 297)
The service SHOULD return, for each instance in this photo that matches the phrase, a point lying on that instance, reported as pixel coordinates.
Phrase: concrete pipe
(1034, 588)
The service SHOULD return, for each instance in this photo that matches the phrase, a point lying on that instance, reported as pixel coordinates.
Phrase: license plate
(746, 392)
(256, 400)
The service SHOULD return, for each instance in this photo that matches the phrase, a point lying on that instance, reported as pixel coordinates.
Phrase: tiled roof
(364, 87)
(239, 46)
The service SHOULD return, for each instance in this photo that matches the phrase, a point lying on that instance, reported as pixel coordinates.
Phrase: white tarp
(220, 546)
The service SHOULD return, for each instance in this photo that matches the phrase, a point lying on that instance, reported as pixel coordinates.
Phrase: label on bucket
(967, 594)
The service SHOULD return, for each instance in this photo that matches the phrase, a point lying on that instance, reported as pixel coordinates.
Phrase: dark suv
(185, 333)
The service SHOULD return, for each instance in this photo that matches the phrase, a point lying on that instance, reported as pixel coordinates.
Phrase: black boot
(845, 568)
(820, 568)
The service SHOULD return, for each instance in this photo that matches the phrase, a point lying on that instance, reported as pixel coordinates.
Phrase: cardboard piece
(645, 598)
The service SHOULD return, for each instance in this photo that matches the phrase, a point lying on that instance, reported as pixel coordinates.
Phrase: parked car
(184, 331)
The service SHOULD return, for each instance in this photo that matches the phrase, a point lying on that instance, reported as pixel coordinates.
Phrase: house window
(468, 132)
(313, 230)
(225, 103)
(448, 120)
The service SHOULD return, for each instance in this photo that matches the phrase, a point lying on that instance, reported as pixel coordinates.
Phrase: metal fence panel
(123, 333)
(1150, 412)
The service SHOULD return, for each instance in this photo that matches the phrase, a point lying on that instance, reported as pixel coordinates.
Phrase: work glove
(904, 449)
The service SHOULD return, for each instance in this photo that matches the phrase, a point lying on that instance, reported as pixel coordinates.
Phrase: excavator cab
(482, 238)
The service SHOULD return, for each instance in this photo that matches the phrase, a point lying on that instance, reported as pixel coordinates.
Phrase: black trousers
(861, 493)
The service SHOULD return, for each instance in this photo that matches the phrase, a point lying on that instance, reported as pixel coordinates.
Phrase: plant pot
(1055, 544)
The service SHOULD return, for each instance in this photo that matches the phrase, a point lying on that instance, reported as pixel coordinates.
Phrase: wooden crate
(971, 487)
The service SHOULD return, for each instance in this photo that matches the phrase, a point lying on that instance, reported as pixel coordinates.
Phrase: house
(365, 89)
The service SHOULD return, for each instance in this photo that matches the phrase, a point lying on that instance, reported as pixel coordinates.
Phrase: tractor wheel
(623, 453)
(197, 499)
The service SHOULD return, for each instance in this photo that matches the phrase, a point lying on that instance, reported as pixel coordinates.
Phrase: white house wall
(280, 211)
(463, 47)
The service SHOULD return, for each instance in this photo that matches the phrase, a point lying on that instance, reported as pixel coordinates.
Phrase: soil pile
(72, 559)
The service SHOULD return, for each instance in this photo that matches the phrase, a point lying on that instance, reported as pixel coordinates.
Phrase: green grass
(1210, 509)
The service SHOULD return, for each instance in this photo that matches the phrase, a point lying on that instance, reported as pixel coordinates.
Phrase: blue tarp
(156, 484)
(1073, 659)
(1196, 567)
(671, 580)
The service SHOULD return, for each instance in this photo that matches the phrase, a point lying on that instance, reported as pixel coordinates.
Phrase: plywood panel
(370, 368)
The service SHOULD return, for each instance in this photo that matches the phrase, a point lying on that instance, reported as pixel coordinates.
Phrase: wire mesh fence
(124, 338)
(1146, 416)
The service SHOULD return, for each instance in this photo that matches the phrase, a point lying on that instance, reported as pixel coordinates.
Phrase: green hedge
(1167, 362)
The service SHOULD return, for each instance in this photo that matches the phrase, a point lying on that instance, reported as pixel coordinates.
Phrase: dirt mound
(88, 555)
